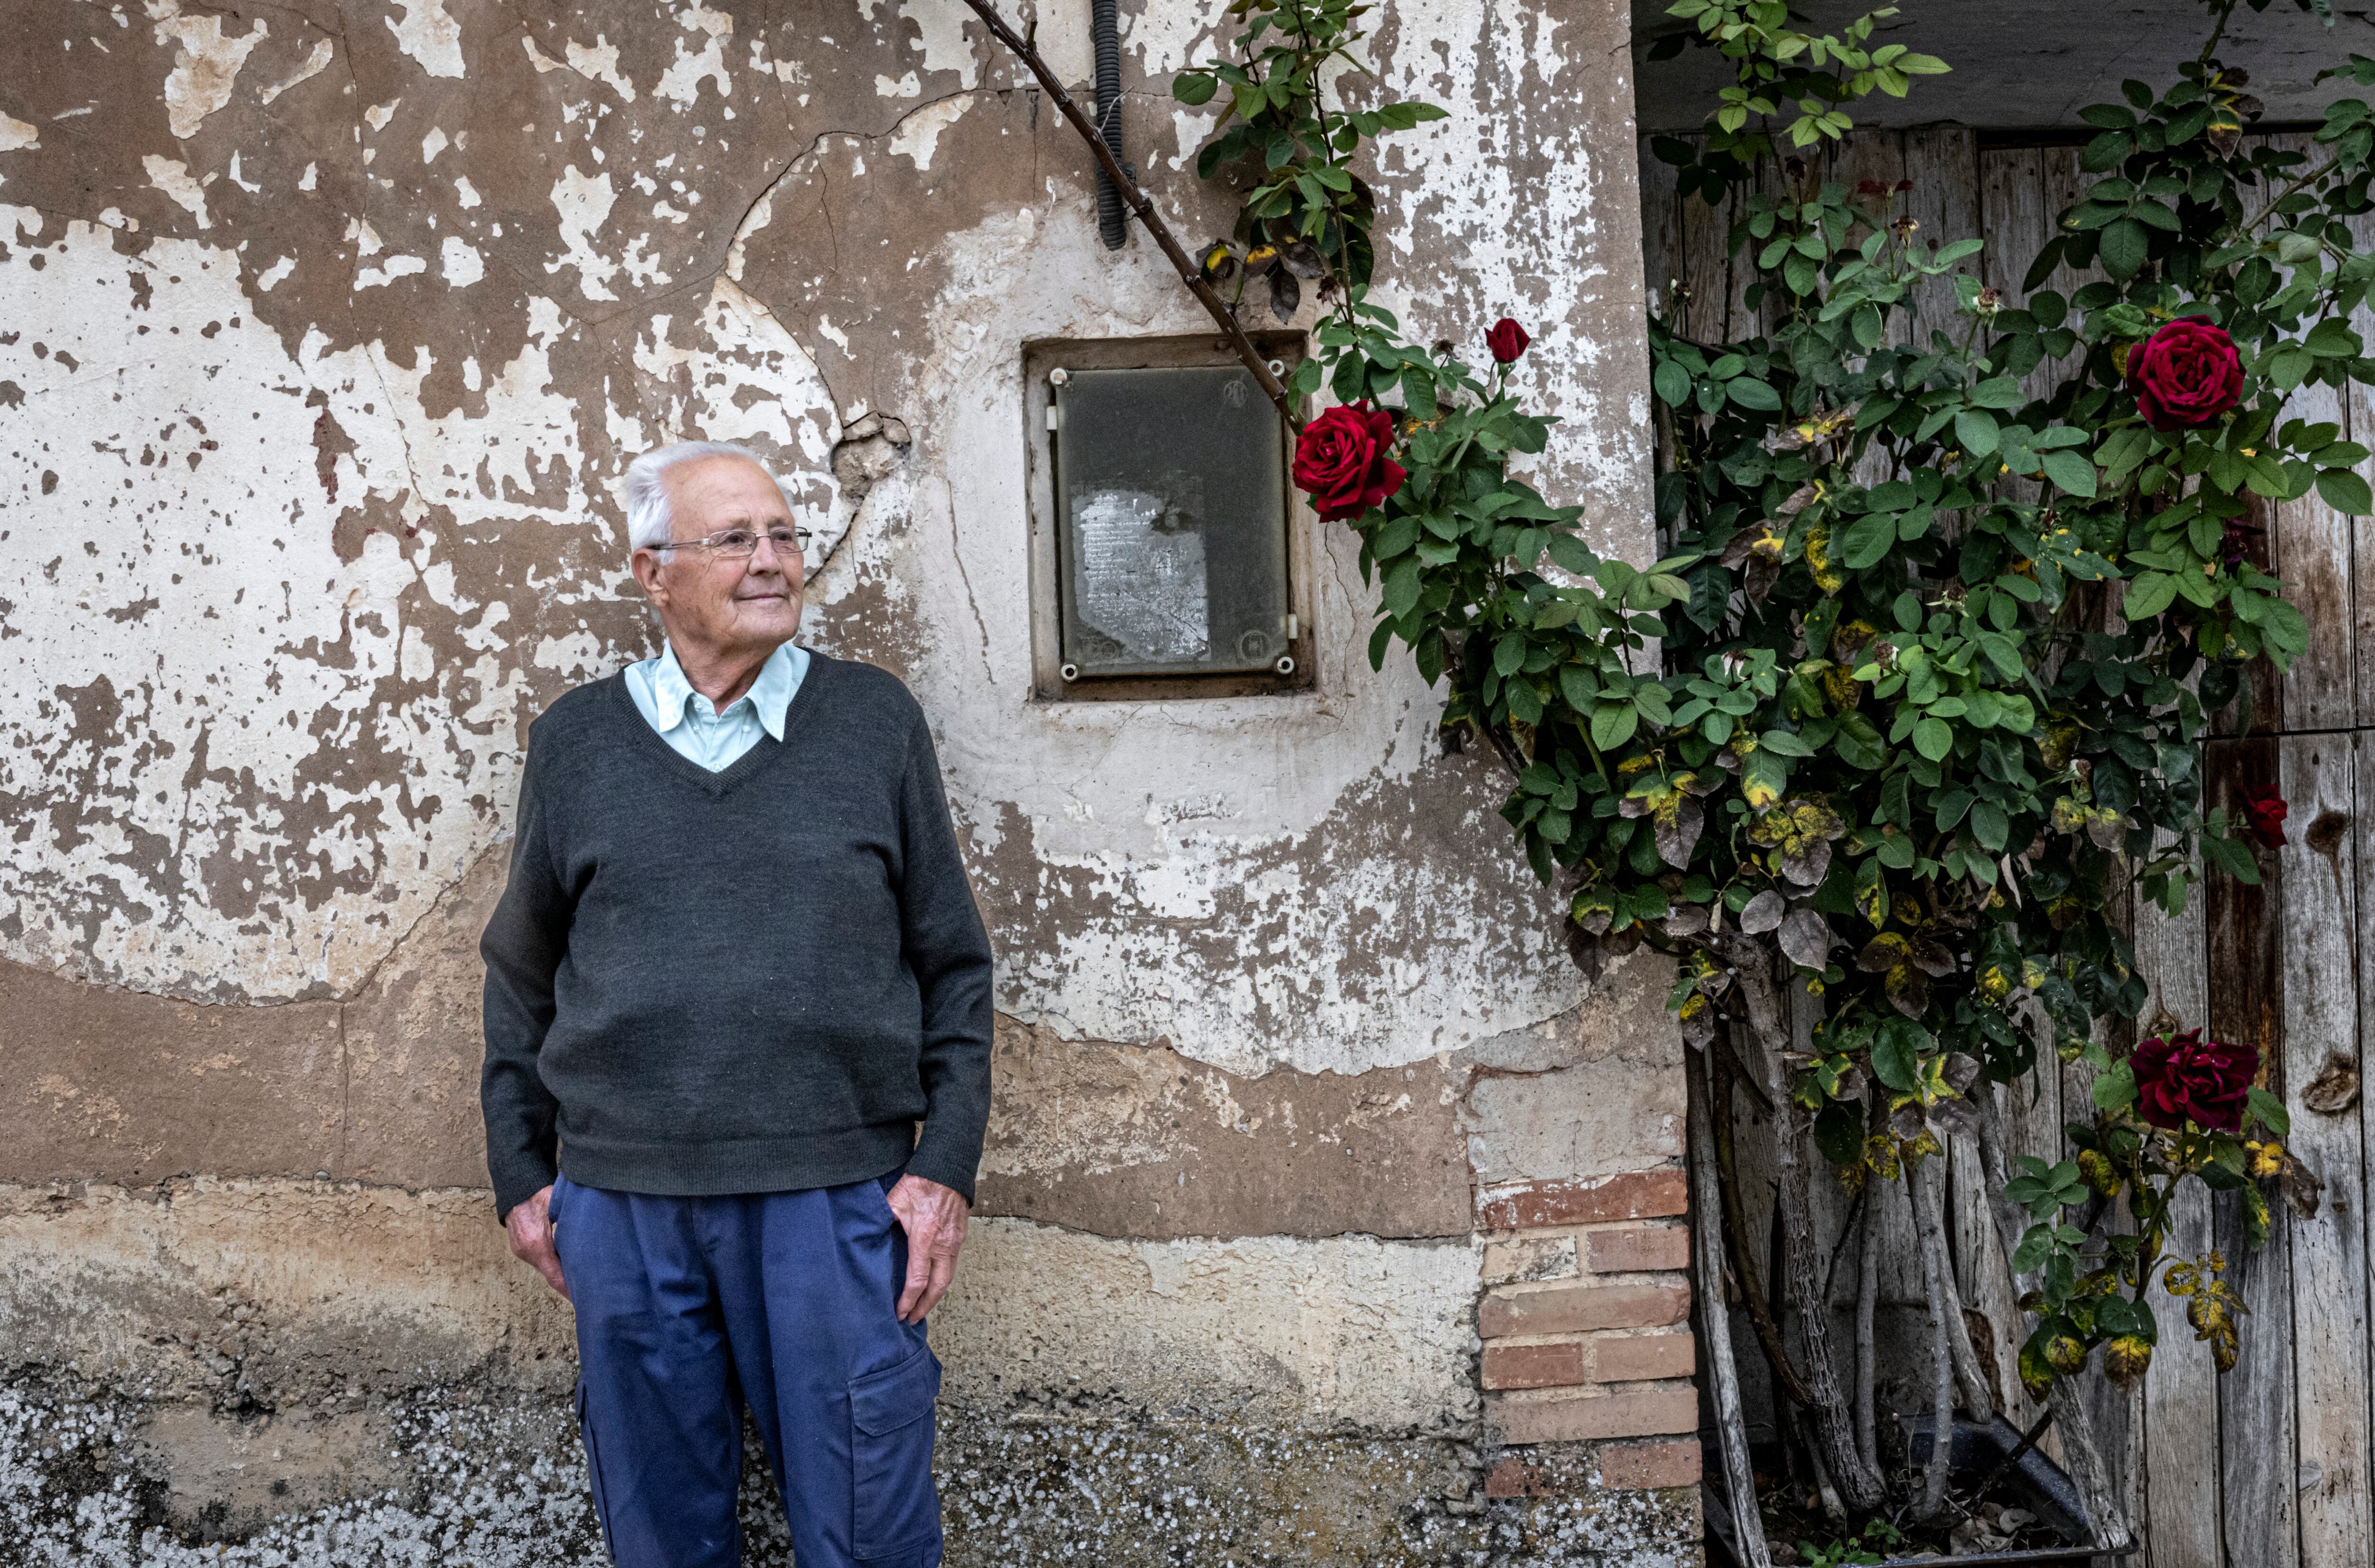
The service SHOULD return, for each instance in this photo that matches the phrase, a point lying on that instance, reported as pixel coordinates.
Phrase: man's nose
(767, 558)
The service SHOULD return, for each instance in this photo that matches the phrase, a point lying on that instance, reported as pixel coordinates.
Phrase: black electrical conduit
(1113, 219)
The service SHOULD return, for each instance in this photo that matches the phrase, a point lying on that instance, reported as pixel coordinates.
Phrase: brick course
(1563, 1365)
(1631, 1357)
(1572, 1309)
(1637, 1249)
(1648, 1411)
(1531, 1205)
(1636, 1467)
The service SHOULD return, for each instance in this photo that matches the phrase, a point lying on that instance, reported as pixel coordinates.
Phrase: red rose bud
(2235, 542)
(1507, 341)
(2186, 1078)
(2264, 812)
(2186, 374)
(1340, 460)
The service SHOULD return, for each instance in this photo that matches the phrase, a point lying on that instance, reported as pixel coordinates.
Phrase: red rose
(1507, 339)
(2186, 374)
(2187, 1078)
(2264, 812)
(1340, 460)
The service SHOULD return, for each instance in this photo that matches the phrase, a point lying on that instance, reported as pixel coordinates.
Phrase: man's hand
(530, 1224)
(934, 1218)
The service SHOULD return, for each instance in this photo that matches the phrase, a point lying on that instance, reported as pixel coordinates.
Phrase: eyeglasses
(738, 543)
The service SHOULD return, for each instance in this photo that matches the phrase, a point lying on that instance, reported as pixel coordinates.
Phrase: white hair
(650, 525)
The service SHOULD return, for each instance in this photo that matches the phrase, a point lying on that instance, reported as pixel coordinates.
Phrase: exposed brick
(1638, 1249)
(1509, 1478)
(1579, 1469)
(1640, 1467)
(1528, 1206)
(1562, 1365)
(1629, 1358)
(1573, 1309)
(1530, 1257)
(1545, 1469)
(1651, 1411)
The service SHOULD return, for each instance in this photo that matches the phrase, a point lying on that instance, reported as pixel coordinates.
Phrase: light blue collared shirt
(687, 721)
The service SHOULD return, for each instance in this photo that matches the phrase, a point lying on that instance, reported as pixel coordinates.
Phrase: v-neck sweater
(760, 979)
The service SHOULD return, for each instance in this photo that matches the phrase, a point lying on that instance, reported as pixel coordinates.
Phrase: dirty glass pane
(1171, 487)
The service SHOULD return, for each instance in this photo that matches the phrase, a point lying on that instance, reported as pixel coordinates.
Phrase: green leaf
(1418, 393)
(1976, 432)
(1402, 587)
(2123, 248)
(2071, 472)
(2001, 391)
(1897, 1048)
(1752, 393)
(1858, 743)
(1934, 739)
(1672, 383)
(2150, 594)
(1576, 684)
(2345, 491)
(1195, 86)
(1612, 725)
(2115, 1089)
(1868, 540)
(2271, 1112)
(2233, 858)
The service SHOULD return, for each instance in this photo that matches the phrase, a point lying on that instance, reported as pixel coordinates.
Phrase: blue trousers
(691, 1308)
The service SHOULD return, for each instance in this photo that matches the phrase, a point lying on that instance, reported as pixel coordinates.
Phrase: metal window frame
(1048, 683)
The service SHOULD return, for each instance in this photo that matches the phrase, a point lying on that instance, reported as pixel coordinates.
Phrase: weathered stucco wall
(326, 331)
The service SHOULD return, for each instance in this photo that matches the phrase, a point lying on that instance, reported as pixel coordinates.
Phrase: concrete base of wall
(456, 1475)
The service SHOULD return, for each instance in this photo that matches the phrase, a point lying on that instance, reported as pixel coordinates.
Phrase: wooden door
(2267, 1467)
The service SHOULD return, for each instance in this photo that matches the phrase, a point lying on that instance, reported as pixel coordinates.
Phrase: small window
(1166, 534)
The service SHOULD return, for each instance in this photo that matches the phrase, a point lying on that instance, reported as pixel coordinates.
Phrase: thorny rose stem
(1137, 200)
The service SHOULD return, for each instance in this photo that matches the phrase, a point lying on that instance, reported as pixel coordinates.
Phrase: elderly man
(737, 1025)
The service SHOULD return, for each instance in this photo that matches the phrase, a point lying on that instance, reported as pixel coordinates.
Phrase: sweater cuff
(519, 1182)
(936, 1161)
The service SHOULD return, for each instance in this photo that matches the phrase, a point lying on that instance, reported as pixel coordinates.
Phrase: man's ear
(645, 565)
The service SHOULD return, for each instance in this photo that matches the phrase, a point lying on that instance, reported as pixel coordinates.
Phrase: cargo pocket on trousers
(594, 1470)
(890, 1458)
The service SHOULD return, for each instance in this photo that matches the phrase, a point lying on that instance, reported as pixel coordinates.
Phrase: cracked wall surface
(327, 329)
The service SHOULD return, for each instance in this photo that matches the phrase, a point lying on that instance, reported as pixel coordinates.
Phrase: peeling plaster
(428, 33)
(323, 368)
(206, 64)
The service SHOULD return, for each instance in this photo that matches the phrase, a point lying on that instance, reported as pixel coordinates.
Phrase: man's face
(713, 604)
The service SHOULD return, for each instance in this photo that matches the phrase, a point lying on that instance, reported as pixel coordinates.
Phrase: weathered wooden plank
(2329, 1253)
(2258, 1456)
(1944, 164)
(1705, 269)
(2361, 836)
(2311, 545)
(2181, 1397)
(1661, 232)
(2359, 403)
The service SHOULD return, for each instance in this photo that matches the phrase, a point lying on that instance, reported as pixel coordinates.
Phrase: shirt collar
(770, 696)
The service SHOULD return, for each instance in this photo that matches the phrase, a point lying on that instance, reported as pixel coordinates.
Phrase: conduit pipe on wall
(1113, 220)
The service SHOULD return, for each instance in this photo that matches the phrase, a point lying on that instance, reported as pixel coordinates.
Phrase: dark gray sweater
(757, 980)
